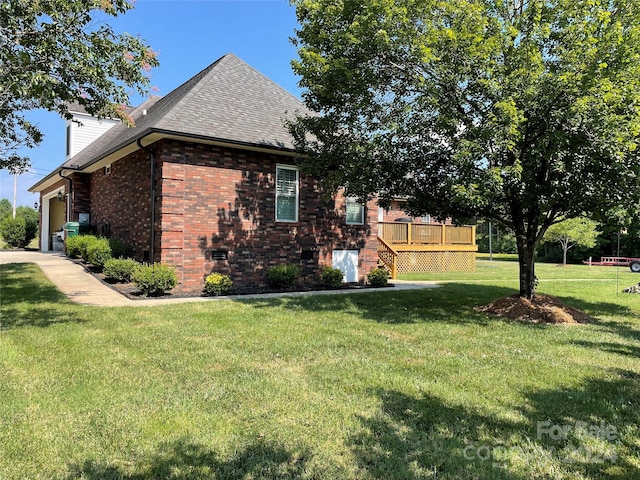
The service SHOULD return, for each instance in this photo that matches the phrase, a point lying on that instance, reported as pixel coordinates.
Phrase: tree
(6, 208)
(574, 231)
(18, 232)
(56, 52)
(523, 112)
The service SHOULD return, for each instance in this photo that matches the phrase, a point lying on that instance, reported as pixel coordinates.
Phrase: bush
(84, 247)
(378, 277)
(98, 251)
(154, 279)
(120, 269)
(217, 284)
(77, 246)
(332, 277)
(14, 231)
(283, 276)
(119, 249)
(31, 230)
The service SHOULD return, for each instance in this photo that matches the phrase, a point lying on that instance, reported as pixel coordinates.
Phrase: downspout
(70, 197)
(152, 235)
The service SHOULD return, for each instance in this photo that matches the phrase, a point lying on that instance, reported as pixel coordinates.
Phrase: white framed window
(355, 211)
(426, 218)
(287, 191)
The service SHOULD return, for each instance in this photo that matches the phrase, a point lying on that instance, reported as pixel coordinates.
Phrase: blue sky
(188, 35)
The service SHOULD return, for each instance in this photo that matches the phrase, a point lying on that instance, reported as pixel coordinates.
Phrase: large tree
(524, 112)
(55, 52)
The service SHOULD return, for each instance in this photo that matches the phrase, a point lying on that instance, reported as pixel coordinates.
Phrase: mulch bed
(130, 290)
(540, 309)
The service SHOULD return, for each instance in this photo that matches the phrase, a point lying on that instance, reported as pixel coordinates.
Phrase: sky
(188, 35)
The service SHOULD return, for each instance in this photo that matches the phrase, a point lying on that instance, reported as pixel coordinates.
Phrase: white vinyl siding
(286, 194)
(355, 211)
(80, 136)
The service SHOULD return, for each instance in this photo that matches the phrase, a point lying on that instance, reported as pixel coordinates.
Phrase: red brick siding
(120, 201)
(81, 202)
(397, 210)
(213, 199)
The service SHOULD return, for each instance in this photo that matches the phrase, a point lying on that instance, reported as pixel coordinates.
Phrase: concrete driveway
(83, 288)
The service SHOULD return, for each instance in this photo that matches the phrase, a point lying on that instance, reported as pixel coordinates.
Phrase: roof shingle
(227, 101)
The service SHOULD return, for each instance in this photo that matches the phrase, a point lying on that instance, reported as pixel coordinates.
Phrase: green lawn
(395, 385)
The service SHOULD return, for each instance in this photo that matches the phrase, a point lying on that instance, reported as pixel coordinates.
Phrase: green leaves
(520, 112)
(56, 52)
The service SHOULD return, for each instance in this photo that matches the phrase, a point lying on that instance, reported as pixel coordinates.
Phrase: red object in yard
(631, 262)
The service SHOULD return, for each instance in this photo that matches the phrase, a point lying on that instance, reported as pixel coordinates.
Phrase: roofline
(157, 135)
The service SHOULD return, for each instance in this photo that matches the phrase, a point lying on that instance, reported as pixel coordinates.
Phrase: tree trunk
(526, 254)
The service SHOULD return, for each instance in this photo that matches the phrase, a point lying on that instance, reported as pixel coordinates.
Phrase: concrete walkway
(83, 288)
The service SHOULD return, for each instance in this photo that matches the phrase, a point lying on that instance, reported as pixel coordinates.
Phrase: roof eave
(155, 135)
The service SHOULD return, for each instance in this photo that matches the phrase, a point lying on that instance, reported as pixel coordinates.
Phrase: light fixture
(60, 196)
(35, 205)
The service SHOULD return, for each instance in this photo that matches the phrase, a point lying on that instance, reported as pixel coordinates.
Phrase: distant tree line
(606, 238)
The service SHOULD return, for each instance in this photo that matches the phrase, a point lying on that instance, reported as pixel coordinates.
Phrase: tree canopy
(523, 112)
(55, 52)
(578, 231)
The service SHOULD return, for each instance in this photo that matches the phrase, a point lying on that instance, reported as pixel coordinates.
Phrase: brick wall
(120, 202)
(397, 210)
(218, 202)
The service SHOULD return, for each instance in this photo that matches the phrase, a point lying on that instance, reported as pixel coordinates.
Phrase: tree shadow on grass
(425, 437)
(452, 303)
(182, 460)
(20, 286)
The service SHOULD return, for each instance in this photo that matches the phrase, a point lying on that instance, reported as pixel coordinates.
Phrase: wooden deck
(424, 247)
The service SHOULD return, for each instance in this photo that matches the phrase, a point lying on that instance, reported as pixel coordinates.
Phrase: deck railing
(395, 233)
(388, 256)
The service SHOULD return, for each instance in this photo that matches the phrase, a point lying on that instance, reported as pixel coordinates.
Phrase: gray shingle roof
(227, 101)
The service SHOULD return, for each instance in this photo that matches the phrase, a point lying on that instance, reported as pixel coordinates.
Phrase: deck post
(443, 235)
(394, 268)
(409, 228)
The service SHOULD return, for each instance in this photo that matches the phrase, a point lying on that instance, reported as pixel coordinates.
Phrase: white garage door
(347, 262)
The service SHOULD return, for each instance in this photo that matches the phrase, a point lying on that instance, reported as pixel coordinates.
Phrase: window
(355, 211)
(426, 218)
(286, 194)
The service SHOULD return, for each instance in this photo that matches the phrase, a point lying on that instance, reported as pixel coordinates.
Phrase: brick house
(207, 181)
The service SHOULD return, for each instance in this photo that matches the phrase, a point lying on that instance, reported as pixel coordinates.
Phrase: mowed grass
(393, 385)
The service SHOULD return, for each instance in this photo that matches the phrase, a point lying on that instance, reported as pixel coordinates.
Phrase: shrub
(18, 232)
(31, 230)
(378, 277)
(332, 277)
(217, 284)
(98, 251)
(76, 246)
(283, 276)
(154, 279)
(87, 240)
(14, 231)
(119, 249)
(120, 269)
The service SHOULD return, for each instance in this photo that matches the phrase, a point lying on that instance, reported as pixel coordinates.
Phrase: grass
(397, 385)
